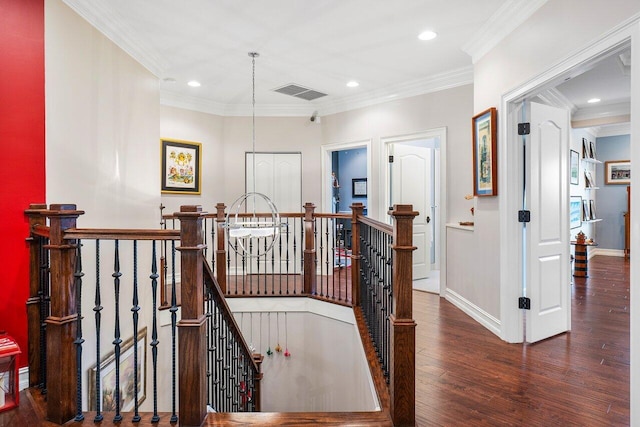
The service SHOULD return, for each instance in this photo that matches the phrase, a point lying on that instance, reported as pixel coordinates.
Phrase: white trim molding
(478, 314)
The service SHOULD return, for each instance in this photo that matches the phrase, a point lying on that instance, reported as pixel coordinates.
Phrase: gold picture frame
(108, 378)
(181, 166)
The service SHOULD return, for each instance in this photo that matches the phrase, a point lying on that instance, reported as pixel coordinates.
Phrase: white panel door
(547, 190)
(279, 177)
(411, 185)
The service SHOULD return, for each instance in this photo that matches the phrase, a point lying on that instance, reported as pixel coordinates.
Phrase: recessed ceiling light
(593, 100)
(427, 35)
(353, 83)
(194, 83)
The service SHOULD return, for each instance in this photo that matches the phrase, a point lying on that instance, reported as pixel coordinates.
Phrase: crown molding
(556, 98)
(611, 130)
(506, 19)
(459, 77)
(106, 20)
(602, 111)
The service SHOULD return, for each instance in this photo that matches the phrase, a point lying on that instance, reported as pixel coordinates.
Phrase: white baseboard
(481, 316)
(23, 378)
(606, 252)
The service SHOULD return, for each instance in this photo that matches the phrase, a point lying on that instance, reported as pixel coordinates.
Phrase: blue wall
(348, 165)
(611, 200)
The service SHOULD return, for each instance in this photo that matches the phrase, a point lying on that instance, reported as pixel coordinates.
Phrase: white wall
(450, 108)
(102, 153)
(193, 126)
(283, 134)
(327, 370)
(558, 29)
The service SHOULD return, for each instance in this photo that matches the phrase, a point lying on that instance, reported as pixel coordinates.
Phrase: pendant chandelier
(255, 234)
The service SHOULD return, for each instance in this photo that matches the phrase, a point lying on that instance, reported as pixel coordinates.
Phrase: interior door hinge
(390, 159)
(524, 216)
(524, 303)
(524, 128)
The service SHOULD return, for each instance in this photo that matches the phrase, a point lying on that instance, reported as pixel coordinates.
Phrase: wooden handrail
(121, 234)
(381, 226)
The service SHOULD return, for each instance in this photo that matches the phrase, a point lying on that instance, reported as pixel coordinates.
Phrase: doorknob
(428, 220)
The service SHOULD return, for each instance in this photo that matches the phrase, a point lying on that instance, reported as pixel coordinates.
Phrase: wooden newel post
(257, 401)
(34, 214)
(61, 323)
(310, 275)
(356, 209)
(221, 248)
(403, 328)
(192, 362)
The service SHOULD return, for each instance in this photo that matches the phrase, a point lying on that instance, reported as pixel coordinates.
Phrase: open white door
(547, 235)
(411, 185)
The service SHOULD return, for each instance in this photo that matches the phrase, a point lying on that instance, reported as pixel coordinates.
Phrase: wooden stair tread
(374, 418)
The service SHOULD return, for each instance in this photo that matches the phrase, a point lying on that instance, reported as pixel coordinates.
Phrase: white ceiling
(319, 44)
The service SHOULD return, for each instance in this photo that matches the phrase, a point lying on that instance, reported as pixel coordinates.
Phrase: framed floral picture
(485, 159)
(181, 164)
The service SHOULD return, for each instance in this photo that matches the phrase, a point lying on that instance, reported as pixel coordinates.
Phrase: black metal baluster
(77, 275)
(154, 330)
(135, 308)
(295, 247)
(318, 248)
(174, 322)
(273, 264)
(117, 341)
(208, 303)
(287, 256)
(280, 262)
(97, 309)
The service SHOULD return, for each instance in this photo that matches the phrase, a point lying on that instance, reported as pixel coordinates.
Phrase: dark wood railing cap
(67, 210)
(403, 210)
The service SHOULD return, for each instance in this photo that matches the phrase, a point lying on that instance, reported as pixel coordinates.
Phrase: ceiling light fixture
(427, 35)
(194, 83)
(245, 227)
(353, 83)
(593, 100)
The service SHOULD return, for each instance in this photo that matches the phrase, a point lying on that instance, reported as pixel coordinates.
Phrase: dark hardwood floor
(466, 376)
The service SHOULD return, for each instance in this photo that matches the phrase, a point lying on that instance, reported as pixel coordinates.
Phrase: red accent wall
(22, 153)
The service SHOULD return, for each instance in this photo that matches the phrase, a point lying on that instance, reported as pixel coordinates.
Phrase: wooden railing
(326, 269)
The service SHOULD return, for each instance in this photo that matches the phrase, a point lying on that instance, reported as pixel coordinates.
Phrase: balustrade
(315, 256)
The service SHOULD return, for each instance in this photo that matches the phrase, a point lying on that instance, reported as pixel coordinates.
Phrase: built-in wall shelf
(591, 188)
(594, 220)
(459, 226)
(589, 160)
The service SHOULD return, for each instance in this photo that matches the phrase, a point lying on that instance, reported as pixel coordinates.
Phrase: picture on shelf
(574, 171)
(588, 180)
(586, 150)
(586, 213)
(592, 149)
(575, 215)
(592, 209)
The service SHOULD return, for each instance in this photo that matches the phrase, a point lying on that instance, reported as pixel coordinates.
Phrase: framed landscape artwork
(617, 172)
(485, 159)
(127, 376)
(575, 211)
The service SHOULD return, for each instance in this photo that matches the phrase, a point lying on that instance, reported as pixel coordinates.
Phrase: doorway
(413, 176)
(514, 247)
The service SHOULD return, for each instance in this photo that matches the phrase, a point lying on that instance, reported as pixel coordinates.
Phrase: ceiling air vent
(300, 92)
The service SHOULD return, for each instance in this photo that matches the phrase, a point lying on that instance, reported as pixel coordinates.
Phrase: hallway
(465, 375)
